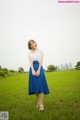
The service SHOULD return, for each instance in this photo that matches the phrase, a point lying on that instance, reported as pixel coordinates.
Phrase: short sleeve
(41, 52)
(40, 55)
(29, 56)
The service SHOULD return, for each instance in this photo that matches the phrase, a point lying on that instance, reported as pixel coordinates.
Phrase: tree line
(5, 71)
(50, 68)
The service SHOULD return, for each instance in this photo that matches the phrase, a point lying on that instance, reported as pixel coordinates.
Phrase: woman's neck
(34, 49)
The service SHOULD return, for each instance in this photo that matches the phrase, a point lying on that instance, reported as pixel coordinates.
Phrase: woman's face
(33, 45)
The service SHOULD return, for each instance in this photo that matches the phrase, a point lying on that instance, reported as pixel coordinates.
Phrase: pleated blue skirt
(37, 84)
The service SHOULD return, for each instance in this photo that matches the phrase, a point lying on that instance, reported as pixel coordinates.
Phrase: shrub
(77, 67)
(21, 70)
(12, 71)
(5, 70)
(2, 74)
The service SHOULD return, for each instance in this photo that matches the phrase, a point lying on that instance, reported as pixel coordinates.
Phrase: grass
(63, 102)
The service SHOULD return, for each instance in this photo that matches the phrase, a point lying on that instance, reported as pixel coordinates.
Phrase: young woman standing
(37, 80)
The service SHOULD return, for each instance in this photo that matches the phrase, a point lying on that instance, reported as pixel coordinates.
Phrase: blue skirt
(37, 84)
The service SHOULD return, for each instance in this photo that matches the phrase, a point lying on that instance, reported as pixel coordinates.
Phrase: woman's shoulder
(29, 53)
(41, 51)
(37, 50)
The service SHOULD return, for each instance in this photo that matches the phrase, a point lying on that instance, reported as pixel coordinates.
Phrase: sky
(54, 26)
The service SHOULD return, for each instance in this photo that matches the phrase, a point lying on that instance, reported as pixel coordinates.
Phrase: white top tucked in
(35, 55)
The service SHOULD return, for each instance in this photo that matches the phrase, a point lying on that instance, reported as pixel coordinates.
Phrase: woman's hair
(29, 44)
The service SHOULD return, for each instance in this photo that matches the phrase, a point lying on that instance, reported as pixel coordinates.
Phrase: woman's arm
(40, 64)
(31, 64)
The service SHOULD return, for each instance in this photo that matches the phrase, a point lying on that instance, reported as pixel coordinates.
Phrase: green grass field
(63, 102)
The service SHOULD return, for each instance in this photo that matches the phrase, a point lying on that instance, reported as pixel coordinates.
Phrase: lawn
(63, 102)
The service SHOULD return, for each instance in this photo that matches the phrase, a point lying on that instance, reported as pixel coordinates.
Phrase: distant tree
(51, 68)
(2, 73)
(21, 70)
(12, 70)
(77, 65)
(0, 67)
(5, 70)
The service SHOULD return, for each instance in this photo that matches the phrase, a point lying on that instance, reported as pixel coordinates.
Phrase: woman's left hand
(38, 73)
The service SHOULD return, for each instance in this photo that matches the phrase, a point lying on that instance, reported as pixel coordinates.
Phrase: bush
(21, 70)
(51, 68)
(77, 67)
(5, 70)
(2, 74)
(0, 67)
(12, 71)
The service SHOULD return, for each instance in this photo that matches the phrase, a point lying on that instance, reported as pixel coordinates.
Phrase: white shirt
(35, 55)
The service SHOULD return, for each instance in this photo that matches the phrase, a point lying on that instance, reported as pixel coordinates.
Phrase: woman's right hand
(33, 72)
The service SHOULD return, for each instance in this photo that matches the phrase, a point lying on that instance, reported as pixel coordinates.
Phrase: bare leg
(41, 101)
(37, 97)
(41, 98)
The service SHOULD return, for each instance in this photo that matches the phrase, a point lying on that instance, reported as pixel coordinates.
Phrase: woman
(37, 79)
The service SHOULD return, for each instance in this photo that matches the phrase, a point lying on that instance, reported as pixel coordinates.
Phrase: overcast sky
(54, 26)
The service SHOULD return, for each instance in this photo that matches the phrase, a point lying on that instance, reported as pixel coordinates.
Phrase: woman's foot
(41, 107)
(37, 105)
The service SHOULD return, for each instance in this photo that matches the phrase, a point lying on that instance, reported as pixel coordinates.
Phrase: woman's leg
(41, 98)
(37, 97)
(41, 101)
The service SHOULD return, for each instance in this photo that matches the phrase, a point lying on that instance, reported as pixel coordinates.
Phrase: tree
(5, 70)
(77, 65)
(0, 67)
(12, 71)
(21, 70)
(51, 68)
(2, 73)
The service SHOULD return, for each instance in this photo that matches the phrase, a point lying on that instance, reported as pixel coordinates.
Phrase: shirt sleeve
(29, 55)
(41, 52)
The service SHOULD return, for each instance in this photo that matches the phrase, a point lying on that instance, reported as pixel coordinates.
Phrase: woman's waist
(36, 62)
